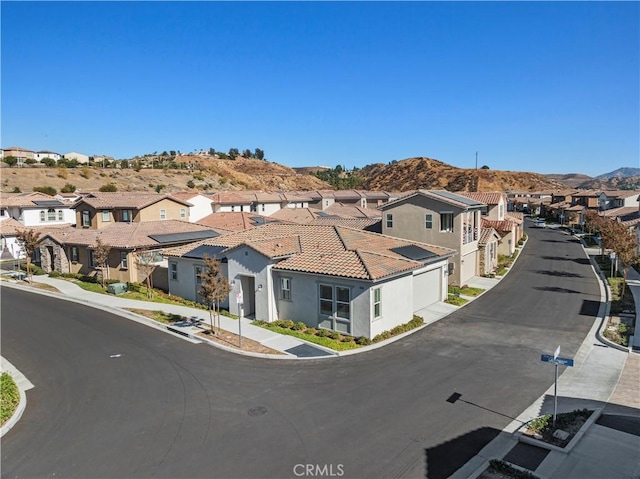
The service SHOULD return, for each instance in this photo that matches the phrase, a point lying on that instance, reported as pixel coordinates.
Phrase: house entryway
(248, 295)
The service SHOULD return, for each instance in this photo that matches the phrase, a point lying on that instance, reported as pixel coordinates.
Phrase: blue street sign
(548, 358)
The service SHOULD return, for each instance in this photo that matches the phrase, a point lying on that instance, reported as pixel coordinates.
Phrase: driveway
(115, 399)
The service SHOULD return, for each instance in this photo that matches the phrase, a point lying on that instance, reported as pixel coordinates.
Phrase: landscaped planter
(554, 444)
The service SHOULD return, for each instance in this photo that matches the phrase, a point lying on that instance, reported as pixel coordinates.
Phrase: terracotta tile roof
(588, 193)
(125, 200)
(296, 215)
(350, 211)
(187, 195)
(356, 223)
(488, 198)
(516, 216)
(23, 200)
(10, 226)
(575, 208)
(124, 235)
(618, 212)
(328, 250)
(631, 220)
(560, 204)
(235, 221)
(232, 198)
(486, 234)
(503, 227)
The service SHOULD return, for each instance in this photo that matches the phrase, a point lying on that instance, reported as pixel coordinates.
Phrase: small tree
(214, 287)
(10, 160)
(101, 254)
(68, 188)
(28, 241)
(146, 264)
(49, 162)
(259, 154)
(47, 190)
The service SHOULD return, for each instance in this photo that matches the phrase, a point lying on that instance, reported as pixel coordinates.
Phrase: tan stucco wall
(152, 212)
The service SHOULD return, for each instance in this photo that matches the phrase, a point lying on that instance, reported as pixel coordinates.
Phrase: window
(42, 216)
(428, 221)
(173, 268)
(377, 302)
(106, 215)
(74, 254)
(127, 216)
(3, 212)
(183, 213)
(163, 214)
(326, 300)
(92, 259)
(253, 208)
(233, 208)
(343, 302)
(446, 222)
(198, 272)
(285, 289)
(262, 207)
(389, 220)
(123, 260)
(86, 219)
(335, 301)
(60, 215)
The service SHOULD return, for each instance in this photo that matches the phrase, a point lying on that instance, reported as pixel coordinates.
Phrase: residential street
(113, 398)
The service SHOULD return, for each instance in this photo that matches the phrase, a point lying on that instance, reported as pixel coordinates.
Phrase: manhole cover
(257, 411)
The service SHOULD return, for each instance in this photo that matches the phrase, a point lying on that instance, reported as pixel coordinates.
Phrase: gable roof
(133, 235)
(488, 198)
(136, 201)
(327, 250)
(444, 196)
(235, 220)
(26, 200)
(486, 235)
(502, 227)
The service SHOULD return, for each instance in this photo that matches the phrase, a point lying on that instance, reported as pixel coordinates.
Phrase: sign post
(612, 260)
(557, 361)
(239, 300)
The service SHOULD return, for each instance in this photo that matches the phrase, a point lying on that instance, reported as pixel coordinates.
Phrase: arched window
(51, 214)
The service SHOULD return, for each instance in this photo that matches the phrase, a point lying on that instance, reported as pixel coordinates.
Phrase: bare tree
(146, 266)
(101, 254)
(214, 287)
(28, 241)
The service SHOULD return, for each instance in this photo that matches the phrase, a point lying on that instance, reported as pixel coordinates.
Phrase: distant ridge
(623, 172)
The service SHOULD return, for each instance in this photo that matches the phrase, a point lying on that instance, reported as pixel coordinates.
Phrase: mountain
(427, 173)
(614, 183)
(620, 173)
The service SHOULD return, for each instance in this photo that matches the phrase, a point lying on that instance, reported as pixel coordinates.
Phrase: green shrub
(287, 323)
(35, 269)
(504, 468)
(108, 188)
(68, 188)
(415, 322)
(47, 190)
(299, 326)
(311, 331)
(363, 341)
(134, 287)
(323, 333)
(335, 335)
(55, 274)
(260, 322)
(347, 339)
(9, 397)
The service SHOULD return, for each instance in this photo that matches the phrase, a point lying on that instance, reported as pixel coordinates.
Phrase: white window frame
(86, 218)
(60, 215)
(198, 270)
(124, 263)
(163, 214)
(183, 213)
(127, 216)
(92, 258)
(428, 221)
(51, 214)
(377, 303)
(43, 216)
(285, 289)
(75, 254)
(389, 220)
(106, 216)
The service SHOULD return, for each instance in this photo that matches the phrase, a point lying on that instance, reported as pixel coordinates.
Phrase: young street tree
(146, 265)
(214, 287)
(101, 254)
(28, 241)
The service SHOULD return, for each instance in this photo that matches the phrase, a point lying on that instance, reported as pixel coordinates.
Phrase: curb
(20, 380)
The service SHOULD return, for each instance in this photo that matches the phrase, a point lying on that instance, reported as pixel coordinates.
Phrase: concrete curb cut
(23, 385)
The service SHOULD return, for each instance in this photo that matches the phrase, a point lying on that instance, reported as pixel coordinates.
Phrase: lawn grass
(159, 316)
(9, 397)
(326, 342)
(456, 300)
(466, 290)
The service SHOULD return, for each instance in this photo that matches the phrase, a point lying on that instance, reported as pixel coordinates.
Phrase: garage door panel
(426, 289)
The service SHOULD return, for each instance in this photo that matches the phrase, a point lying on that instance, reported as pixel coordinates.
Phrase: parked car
(540, 223)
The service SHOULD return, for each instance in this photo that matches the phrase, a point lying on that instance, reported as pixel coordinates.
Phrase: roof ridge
(363, 263)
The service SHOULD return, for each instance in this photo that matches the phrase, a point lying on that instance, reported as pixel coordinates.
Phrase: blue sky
(550, 87)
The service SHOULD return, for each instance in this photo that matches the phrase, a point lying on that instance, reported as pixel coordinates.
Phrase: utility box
(117, 288)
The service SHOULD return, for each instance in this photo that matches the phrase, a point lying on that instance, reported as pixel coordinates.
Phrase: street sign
(548, 358)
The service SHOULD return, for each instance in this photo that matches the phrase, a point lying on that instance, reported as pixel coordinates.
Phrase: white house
(79, 157)
(331, 277)
(37, 209)
(41, 155)
(201, 205)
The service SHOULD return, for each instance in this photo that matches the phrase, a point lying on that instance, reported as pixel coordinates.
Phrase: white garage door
(426, 288)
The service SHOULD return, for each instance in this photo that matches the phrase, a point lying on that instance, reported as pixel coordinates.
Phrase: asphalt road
(164, 407)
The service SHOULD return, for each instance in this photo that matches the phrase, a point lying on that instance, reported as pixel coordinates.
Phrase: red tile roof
(131, 200)
(488, 198)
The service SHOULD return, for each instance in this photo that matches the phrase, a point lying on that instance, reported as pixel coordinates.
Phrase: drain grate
(257, 411)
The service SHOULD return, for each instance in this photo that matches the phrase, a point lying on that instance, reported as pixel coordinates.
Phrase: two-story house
(609, 200)
(36, 209)
(440, 218)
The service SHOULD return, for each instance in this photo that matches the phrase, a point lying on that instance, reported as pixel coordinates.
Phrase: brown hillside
(213, 175)
(427, 173)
